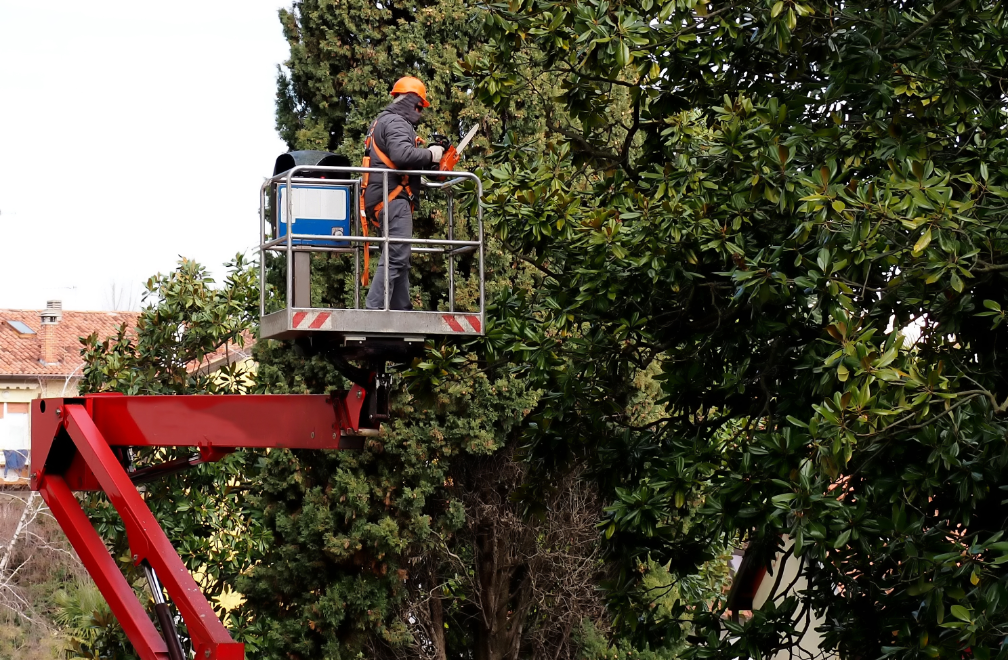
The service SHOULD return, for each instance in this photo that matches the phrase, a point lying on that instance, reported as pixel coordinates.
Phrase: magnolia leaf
(842, 372)
(923, 242)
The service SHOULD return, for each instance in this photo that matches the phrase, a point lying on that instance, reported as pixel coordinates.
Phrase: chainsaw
(452, 154)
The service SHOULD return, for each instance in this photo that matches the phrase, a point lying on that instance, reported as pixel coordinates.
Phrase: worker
(392, 143)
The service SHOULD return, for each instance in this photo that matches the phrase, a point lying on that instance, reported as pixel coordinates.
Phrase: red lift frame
(72, 450)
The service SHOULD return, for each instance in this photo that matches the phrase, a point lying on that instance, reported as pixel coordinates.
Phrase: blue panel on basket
(317, 227)
(322, 211)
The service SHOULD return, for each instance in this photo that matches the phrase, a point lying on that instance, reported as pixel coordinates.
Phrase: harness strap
(366, 162)
(371, 144)
(403, 183)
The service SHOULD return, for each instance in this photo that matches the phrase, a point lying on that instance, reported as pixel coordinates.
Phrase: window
(14, 433)
(20, 327)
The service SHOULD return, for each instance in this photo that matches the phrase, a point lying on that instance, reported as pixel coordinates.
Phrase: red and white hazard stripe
(309, 320)
(458, 322)
(323, 320)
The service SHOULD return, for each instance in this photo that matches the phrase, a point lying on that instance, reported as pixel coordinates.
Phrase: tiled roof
(20, 355)
(225, 355)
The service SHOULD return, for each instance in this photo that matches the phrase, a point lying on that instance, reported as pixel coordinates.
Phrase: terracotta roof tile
(20, 355)
(227, 354)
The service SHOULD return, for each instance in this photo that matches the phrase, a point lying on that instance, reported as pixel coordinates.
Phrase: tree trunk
(504, 593)
(437, 627)
(26, 516)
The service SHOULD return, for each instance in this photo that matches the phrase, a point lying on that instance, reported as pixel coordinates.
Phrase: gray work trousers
(400, 225)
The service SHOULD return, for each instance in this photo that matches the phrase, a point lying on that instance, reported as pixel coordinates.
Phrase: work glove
(437, 152)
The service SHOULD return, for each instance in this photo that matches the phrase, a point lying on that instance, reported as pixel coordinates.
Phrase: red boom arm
(72, 449)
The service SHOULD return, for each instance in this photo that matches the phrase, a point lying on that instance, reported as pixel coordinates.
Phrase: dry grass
(40, 563)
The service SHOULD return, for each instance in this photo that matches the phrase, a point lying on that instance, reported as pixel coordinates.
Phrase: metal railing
(450, 247)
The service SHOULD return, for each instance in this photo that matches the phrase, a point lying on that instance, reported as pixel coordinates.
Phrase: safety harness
(369, 144)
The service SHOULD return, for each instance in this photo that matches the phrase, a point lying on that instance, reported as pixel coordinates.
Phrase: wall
(15, 431)
(809, 645)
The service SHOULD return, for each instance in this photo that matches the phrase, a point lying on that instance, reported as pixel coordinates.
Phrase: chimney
(50, 318)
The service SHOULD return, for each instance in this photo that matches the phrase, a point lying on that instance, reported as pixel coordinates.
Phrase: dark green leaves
(790, 216)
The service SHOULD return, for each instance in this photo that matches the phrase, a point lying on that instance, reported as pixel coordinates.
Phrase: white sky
(130, 133)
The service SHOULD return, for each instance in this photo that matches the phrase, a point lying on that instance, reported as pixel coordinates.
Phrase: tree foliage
(186, 319)
(205, 512)
(412, 547)
(358, 535)
(344, 58)
(794, 212)
(92, 631)
(749, 284)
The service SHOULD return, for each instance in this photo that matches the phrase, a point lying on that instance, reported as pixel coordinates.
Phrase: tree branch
(926, 24)
(584, 145)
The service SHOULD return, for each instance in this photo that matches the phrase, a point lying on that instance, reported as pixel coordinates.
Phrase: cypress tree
(413, 545)
(430, 541)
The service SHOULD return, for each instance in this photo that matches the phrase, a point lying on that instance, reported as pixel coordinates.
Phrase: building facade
(753, 586)
(40, 357)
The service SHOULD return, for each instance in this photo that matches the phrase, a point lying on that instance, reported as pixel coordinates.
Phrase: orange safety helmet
(408, 84)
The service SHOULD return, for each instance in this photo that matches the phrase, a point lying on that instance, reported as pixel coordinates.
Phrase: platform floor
(299, 322)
